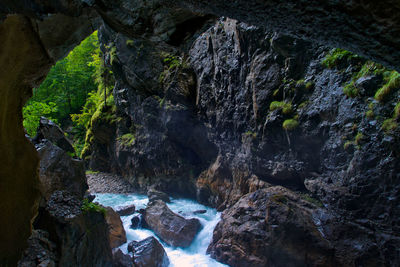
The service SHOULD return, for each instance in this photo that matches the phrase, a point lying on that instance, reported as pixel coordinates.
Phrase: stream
(193, 256)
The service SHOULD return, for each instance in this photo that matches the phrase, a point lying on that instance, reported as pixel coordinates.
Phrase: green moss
(279, 198)
(275, 93)
(285, 106)
(358, 139)
(396, 112)
(389, 125)
(91, 172)
(250, 133)
(113, 55)
(312, 200)
(303, 104)
(350, 90)
(370, 114)
(92, 207)
(309, 85)
(130, 43)
(290, 124)
(348, 144)
(392, 83)
(300, 82)
(127, 140)
(333, 58)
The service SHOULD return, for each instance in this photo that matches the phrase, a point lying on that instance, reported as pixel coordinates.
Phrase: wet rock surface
(271, 227)
(117, 235)
(172, 228)
(100, 182)
(122, 260)
(148, 253)
(157, 195)
(126, 210)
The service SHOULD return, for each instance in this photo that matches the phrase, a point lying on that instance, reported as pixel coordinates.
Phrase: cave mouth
(76, 87)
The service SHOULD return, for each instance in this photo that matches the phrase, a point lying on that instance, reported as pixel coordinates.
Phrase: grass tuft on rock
(284, 106)
(392, 84)
(290, 124)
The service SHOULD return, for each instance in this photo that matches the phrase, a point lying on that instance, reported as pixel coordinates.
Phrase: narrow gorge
(241, 133)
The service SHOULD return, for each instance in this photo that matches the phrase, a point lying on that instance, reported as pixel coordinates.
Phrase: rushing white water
(195, 255)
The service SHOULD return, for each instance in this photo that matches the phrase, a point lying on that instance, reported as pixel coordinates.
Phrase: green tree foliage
(34, 111)
(66, 87)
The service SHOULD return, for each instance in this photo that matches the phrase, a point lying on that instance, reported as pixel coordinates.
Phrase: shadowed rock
(172, 228)
(127, 210)
(157, 195)
(116, 229)
(148, 253)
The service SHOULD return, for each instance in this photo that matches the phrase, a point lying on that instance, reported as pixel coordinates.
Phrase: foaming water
(195, 255)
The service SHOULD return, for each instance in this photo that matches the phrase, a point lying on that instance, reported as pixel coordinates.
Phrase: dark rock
(52, 132)
(125, 211)
(199, 211)
(157, 195)
(172, 228)
(117, 235)
(271, 227)
(136, 221)
(58, 171)
(81, 238)
(122, 260)
(40, 252)
(148, 253)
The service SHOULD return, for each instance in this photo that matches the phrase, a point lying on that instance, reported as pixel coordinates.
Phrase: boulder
(172, 228)
(81, 237)
(58, 171)
(199, 212)
(148, 253)
(52, 132)
(271, 227)
(122, 260)
(40, 251)
(157, 195)
(125, 211)
(136, 222)
(116, 229)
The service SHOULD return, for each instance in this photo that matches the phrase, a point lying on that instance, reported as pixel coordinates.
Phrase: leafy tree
(34, 111)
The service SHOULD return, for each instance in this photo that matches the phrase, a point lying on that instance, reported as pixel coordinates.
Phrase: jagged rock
(172, 228)
(126, 210)
(117, 235)
(199, 211)
(136, 221)
(122, 260)
(148, 253)
(157, 195)
(58, 171)
(52, 132)
(81, 238)
(40, 252)
(271, 227)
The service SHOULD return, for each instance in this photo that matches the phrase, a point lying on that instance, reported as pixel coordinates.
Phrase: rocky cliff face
(355, 176)
(242, 109)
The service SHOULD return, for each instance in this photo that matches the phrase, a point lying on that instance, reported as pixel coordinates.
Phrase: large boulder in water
(122, 260)
(174, 229)
(116, 229)
(148, 253)
(126, 210)
(153, 195)
(272, 227)
(58, 171)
